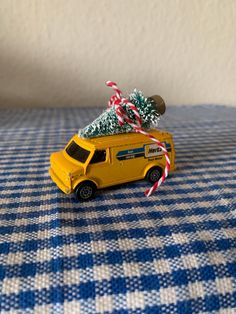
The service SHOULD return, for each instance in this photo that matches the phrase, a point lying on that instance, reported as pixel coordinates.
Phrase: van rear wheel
(154, 174)
(85, 190)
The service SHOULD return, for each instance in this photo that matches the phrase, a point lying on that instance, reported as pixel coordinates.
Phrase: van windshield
(77, 152)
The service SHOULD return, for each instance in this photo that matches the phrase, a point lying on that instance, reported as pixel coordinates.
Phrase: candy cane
(117, 100)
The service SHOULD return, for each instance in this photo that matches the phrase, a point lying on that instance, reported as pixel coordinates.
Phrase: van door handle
(121, 163)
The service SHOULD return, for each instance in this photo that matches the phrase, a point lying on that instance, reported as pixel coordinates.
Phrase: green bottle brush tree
(149, 108)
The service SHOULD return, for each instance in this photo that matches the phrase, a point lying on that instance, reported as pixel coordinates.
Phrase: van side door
(130, 161)
(100, 168)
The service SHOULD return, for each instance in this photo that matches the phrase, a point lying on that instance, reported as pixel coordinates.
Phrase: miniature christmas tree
(149, 110)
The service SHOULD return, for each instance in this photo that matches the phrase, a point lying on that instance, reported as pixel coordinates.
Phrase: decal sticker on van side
(152, 150)
(130, 153)
(147, 151)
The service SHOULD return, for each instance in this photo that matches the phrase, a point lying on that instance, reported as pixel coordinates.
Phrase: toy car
(86, 165)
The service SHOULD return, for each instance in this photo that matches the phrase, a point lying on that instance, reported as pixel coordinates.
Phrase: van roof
(123, 139)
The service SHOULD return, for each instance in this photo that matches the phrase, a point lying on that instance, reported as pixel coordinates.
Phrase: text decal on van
(147, 151)
(153, 150)
(130, 153)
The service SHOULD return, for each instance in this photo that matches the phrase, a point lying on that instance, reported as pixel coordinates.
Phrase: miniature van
(86, 165)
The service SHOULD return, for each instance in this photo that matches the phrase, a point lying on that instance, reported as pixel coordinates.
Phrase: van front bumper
(64, 188)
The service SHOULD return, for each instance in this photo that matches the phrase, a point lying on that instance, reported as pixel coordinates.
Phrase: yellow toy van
(89, 164)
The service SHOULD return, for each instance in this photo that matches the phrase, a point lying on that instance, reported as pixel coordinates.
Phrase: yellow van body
(109, 160)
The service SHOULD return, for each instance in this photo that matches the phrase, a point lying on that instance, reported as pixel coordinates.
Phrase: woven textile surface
(120, 253)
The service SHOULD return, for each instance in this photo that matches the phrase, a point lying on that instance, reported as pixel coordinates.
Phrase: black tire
(85, 191)
(154, 174)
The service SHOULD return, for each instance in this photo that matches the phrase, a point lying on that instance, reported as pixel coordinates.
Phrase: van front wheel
(85, 190)
(154, 174)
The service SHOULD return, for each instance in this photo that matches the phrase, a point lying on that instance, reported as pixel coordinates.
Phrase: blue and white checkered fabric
(121, 253)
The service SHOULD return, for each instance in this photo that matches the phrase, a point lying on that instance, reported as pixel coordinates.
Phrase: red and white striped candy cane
(117, 100)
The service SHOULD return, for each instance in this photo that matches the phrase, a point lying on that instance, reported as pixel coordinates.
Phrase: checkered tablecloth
(121, 253)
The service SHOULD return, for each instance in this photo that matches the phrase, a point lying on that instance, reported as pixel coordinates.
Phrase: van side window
(99, 156)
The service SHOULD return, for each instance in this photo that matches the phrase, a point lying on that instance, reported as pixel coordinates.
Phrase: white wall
(60, 52)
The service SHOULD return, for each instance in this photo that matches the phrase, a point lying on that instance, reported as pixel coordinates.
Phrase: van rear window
(77, 152)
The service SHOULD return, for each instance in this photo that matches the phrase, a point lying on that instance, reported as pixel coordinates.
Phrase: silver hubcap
(154, 175)
(86, 192)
